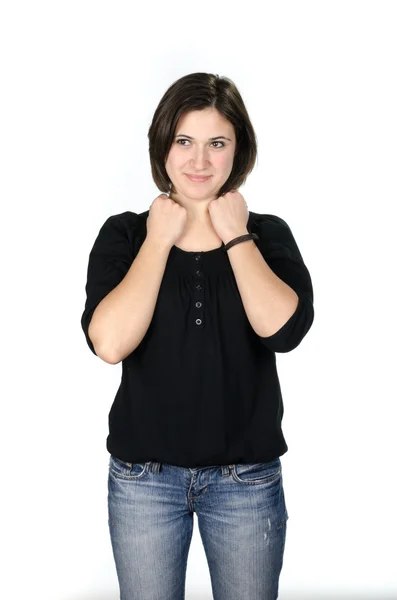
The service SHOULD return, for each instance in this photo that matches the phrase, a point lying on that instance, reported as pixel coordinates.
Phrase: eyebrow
(211, 138)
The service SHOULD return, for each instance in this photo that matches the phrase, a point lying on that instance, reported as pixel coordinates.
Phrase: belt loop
(154, 466)
(226, 469)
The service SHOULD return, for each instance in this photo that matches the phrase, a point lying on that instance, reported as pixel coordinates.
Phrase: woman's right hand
(166, 220)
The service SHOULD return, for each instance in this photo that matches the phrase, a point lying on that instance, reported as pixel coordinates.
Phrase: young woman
(195, 296)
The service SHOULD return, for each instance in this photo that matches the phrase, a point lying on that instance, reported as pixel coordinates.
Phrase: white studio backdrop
(80, 82)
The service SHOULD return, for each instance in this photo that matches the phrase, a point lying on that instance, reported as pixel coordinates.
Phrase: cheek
(174, 160)
(224, 162)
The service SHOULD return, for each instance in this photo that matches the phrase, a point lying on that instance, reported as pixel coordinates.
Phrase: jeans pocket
(124, 470)
(257, 473)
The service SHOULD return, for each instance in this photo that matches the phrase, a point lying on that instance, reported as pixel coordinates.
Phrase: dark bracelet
(241, 238)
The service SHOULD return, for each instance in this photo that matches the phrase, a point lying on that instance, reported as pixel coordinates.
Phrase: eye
(186, 140)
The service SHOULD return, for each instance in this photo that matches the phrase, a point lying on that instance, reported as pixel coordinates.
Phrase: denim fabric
(242, 520)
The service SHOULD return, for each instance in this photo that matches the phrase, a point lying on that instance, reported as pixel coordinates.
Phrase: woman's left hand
(229, 214)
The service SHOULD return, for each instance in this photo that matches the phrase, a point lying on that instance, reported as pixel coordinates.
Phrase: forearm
(268, 301)
(122, 318)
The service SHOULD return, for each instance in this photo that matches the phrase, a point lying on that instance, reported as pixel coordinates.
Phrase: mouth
(197, 178)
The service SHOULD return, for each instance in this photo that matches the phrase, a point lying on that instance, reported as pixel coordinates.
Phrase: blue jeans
(242, 519)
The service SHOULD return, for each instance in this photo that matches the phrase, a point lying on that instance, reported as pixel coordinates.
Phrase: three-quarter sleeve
(108, 263)
(280, 251)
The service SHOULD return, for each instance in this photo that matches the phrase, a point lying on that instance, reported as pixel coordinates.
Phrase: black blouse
(202, 387)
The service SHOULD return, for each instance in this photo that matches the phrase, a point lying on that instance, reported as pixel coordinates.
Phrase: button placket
(199, 290)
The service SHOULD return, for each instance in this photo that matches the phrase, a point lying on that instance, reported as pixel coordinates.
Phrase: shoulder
(275, 235)
(127, 227)
(269, 227)
(124, 220)
(127, 223)
(264, 221)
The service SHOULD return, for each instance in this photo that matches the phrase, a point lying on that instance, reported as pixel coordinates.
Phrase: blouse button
(198, 287)
(198, 321)
(198, 273)
(197, 257)
(198, 304)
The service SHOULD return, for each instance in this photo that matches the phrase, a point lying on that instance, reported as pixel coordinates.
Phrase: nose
(200, 160)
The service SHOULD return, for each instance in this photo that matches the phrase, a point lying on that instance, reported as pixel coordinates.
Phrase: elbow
(111, 354)
(95, 340)
(291, 334)
(108, 356)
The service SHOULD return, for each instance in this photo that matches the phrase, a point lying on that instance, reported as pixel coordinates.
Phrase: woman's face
(193, 152)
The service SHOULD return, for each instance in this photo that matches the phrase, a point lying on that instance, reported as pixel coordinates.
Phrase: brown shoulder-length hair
(198, 91)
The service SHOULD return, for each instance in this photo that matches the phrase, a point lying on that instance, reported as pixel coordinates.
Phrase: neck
(197, 212)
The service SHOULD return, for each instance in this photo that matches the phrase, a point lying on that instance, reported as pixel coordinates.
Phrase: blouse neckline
(191, 252)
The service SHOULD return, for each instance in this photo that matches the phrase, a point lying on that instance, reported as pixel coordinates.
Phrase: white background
(80, 82)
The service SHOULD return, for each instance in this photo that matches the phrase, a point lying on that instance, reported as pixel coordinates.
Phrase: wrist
(231, 236)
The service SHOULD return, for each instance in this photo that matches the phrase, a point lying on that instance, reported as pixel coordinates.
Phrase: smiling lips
(197, 178)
